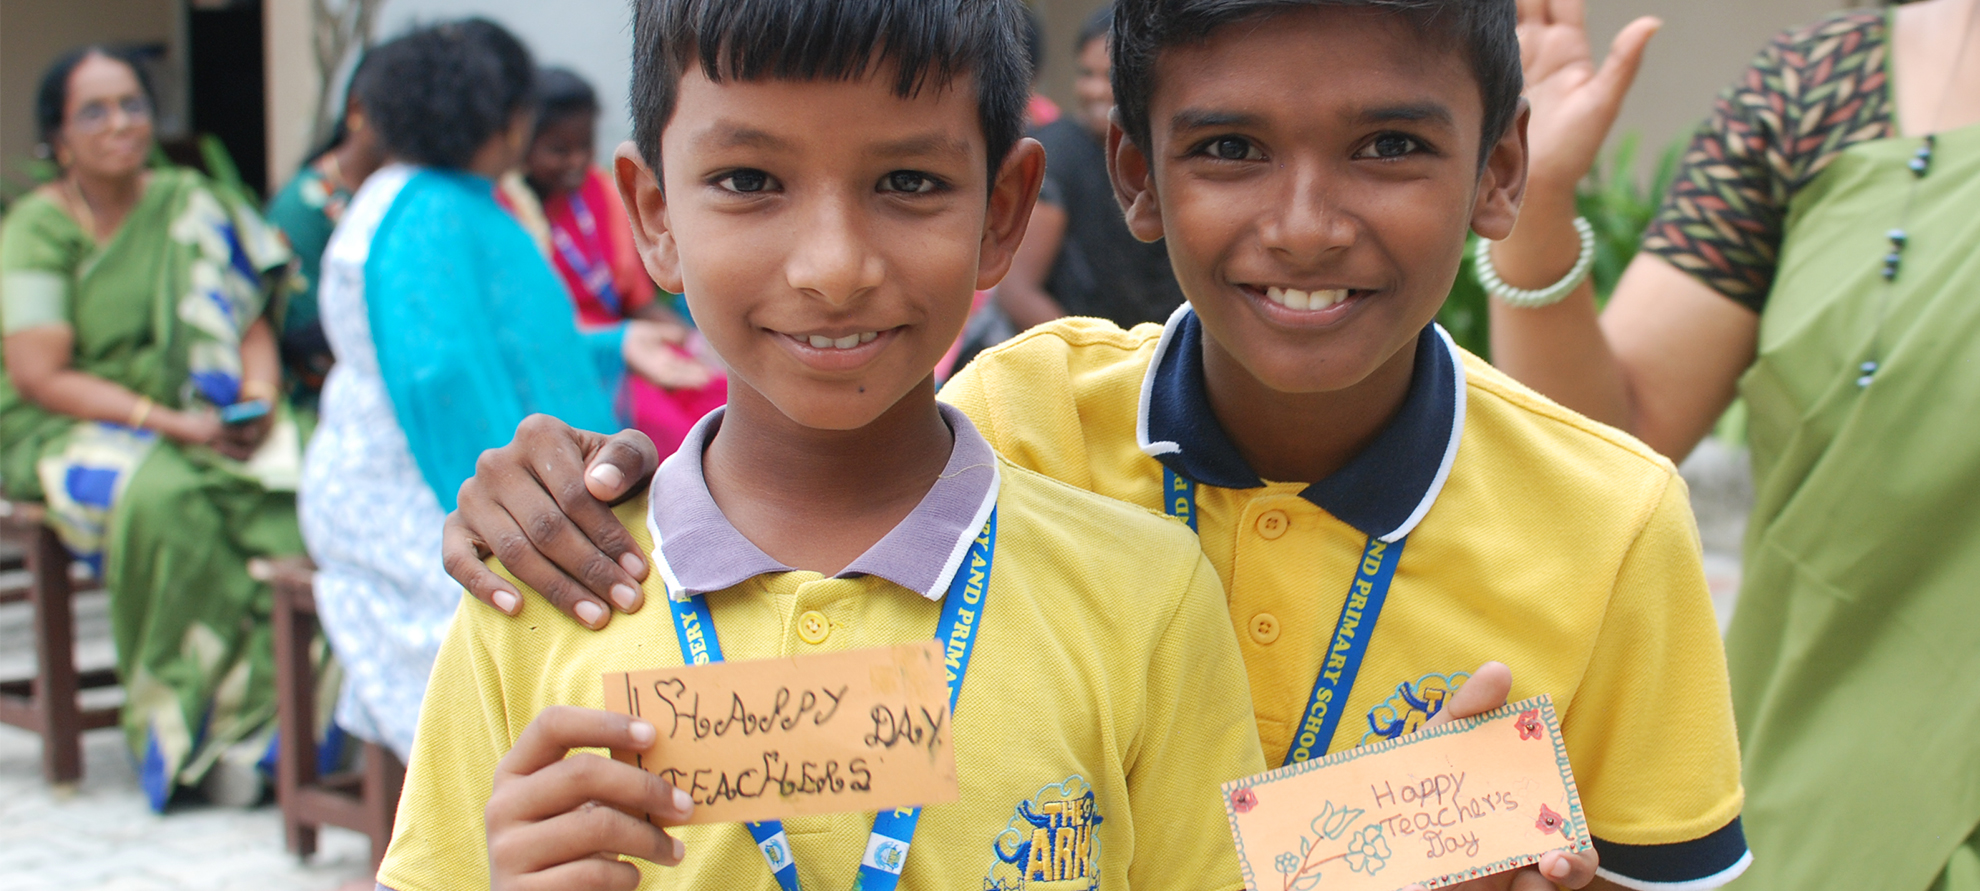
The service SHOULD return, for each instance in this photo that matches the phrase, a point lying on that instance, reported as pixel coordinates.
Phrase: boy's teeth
(1293, 298)
(821, 342)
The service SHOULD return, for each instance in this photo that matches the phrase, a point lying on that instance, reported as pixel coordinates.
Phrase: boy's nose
(830, 258)
(1308, 221)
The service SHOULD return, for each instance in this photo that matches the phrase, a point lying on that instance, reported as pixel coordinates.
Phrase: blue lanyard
(597, 278)
(893, 831)
(1351, 631)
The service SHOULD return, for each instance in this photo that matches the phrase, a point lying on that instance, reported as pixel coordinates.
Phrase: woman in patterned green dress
(1819, 257)
(132, 302)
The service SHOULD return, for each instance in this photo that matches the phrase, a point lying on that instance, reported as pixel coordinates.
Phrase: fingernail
(506, 601)
(623, 597)
(680, 850)
(683, 805)
(590, 613)
(631, 563)
(642, 734)
(608, 476)
(1560, 869)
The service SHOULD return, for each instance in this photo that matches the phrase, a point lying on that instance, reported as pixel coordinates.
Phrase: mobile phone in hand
(243, 412)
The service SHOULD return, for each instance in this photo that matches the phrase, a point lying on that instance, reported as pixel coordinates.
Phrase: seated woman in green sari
(139, 404)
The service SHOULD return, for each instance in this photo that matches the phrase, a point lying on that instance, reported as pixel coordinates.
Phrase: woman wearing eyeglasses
(139, 403)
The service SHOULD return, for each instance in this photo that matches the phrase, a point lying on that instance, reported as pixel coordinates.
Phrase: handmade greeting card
(863, 730)
(1471, 798)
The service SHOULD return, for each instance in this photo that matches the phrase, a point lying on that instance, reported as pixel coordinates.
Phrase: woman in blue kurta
(449, 328)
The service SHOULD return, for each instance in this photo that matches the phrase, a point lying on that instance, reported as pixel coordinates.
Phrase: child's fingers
(623, 460)
(580, 780)
(561, 728)
(593, 874)
(1570, 870)
(461, 553)
(1532, 12)
(1567, 12)
(590, 830)
(1484, 691)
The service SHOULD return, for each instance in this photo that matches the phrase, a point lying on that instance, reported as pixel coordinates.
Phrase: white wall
(591, 37)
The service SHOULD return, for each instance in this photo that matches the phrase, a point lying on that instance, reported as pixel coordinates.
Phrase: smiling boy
(831, 180)
(1385, 510)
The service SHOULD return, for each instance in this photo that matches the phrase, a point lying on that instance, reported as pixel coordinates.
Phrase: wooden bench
(49, 703)
(366, 799)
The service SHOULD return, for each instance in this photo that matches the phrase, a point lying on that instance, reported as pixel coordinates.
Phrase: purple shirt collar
(699, 551)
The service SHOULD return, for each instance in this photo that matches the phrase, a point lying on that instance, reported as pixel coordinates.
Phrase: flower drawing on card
(1529, 725)
(1550, 822)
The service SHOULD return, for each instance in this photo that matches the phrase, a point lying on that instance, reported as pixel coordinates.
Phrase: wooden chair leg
(56, 683)
(384, 777)
(295, 697)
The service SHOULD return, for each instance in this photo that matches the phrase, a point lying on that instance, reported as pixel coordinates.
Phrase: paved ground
(100, 835)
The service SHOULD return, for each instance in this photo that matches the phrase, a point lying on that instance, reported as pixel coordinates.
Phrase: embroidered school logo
(1414, 703)
(1050, 841)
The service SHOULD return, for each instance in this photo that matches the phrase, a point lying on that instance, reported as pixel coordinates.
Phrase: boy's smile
(828, 233)
(1316, 212)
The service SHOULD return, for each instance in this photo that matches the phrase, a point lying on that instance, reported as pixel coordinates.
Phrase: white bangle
(1521, 298)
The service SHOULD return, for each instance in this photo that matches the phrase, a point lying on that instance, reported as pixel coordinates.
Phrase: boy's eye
(1390, 145)
(908, 181)
(1233, 148)
(745, 181)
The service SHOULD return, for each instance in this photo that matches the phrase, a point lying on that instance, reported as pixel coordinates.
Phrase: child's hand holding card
(1472, 798)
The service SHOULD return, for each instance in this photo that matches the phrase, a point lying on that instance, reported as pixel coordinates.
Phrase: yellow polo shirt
(1532, 536)
(1095, 724)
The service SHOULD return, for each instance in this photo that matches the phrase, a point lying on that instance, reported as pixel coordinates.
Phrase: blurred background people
(1818, 258)
(449, 328)
(1078, 257)
(141, 403)
(591, 246)
(307, 211)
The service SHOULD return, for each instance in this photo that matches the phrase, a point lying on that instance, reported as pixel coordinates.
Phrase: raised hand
(1574, 102)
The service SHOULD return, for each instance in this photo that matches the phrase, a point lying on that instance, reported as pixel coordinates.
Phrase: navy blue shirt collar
(1383, 492)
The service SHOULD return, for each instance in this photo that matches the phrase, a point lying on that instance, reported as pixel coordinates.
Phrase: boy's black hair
(1096, 26)
(439, 93)
(931, 43)
(51, 99)
(1485, 30)
(561, 94)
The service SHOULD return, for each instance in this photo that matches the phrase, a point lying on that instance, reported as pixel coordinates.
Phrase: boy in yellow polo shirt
(839, 177)
(1386, 511)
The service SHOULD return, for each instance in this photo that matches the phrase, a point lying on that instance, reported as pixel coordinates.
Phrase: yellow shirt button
(1265, 628)
(813, 627)
(1272, 524)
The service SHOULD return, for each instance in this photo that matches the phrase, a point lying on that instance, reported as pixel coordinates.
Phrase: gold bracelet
(251, 390)
(141, 413)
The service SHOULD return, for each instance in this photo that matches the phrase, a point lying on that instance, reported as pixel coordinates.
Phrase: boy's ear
(646, 207)
(1012, 197)
(1134, 182)
(1502, 184)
